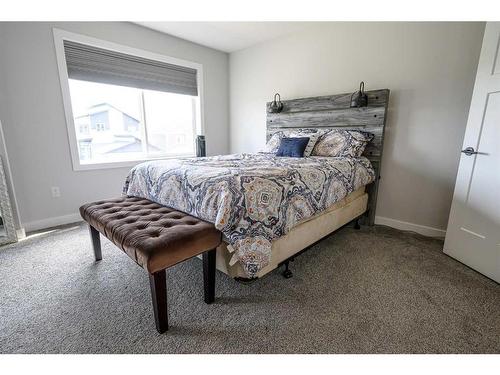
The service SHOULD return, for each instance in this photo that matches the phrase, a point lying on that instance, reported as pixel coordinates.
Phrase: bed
(271, 208)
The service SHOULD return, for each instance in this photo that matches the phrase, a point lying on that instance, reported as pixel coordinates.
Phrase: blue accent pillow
(293, 147)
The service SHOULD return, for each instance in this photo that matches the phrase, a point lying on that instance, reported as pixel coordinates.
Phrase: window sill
(124, 164)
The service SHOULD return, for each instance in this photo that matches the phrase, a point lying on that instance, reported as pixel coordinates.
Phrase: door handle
(469, 151)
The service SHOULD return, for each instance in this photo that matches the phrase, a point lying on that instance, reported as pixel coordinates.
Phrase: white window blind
(95, 64)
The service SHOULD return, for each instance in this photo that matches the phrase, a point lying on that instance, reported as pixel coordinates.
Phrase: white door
(473, 234)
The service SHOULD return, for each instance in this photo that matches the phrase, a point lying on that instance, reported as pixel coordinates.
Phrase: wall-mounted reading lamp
(276, 105)
(359, 98)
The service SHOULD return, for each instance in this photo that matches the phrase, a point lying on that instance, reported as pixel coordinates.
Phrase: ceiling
(227, 36)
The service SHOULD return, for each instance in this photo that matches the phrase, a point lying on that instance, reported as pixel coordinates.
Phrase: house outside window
(119, 123)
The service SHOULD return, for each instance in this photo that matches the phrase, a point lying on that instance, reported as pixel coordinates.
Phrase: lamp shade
(359, 98)
(276, 105)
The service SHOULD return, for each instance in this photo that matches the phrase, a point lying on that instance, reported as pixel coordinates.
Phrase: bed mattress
(301, 236)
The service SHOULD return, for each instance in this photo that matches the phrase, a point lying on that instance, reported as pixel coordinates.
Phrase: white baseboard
(398, 224)
(21, 233)
(51, 222)
(404, 225)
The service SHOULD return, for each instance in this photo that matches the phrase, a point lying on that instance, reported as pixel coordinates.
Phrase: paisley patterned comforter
(252, 198)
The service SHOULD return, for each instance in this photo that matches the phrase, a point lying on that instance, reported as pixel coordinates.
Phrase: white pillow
(313, 135)
(273, 144)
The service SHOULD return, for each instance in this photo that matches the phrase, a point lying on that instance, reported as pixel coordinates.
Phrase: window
(128, 106)
(131, 124)
(83, 128)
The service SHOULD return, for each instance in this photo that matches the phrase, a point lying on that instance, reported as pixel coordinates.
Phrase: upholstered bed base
(302, 236)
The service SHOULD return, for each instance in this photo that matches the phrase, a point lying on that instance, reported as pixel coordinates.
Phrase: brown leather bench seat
(155, 237)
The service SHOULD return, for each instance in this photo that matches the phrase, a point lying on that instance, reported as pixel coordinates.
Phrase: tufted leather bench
(155, 237)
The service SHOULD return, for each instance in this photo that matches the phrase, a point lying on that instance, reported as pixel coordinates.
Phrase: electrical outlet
(56, 193)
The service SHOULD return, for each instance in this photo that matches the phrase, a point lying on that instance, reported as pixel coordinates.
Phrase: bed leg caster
(356, 224)
(287, 273)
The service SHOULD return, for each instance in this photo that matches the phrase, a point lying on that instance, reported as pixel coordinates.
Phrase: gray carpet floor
(377, 290)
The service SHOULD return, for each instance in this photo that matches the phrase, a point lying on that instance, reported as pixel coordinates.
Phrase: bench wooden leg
(96, 242)
(158, 284)
(209, 275)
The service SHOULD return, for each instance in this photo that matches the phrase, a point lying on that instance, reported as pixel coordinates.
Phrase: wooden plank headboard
(333, 111)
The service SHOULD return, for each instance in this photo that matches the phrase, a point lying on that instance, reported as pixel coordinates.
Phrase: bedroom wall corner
(34, 123)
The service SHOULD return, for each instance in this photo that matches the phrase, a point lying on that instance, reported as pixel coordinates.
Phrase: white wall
(32, 114)
(430, 70)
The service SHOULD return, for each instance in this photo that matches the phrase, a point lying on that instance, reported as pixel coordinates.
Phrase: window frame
(59, 37)
(98, 127)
